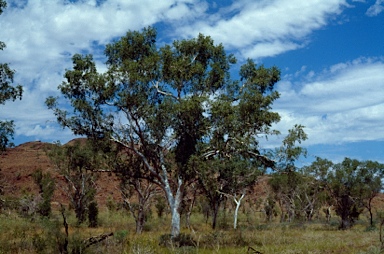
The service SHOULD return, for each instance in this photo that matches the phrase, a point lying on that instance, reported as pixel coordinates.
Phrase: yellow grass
(21, 235)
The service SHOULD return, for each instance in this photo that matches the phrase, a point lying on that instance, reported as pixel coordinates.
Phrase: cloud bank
(343, 103)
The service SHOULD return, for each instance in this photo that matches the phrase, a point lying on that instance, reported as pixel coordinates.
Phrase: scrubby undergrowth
(35, 235)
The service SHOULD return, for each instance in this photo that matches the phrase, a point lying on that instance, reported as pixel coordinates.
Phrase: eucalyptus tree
(76, 163)
(351, 186)
(239, 115)
(372, 172)
(229, 176)
(169, 104)
(7, 92)
(287, 183)
(135, 184)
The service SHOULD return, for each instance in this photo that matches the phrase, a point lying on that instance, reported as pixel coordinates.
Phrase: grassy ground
(23, 235)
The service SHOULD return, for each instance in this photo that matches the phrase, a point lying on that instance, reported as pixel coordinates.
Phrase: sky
(330, 53)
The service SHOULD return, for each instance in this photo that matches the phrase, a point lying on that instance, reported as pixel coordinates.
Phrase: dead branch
(95, 239)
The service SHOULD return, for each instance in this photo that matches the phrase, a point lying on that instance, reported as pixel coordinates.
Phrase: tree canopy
(351, 185)
(170, 104)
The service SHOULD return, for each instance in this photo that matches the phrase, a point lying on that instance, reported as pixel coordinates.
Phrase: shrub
(46, 188)
(93, 212)
(160, 206)
(178, 241)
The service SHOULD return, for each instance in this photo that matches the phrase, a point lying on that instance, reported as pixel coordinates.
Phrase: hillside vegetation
(27, 232)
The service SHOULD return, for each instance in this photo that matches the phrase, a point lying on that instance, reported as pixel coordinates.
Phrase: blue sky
(330, 52)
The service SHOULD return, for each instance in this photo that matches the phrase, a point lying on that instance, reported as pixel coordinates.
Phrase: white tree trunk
(238, 203)
(175, 221)
(174, 202)
(175, 205)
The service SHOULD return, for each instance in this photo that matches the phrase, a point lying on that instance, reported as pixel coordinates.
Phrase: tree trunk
(174, 202)
(238, 203)
(345, 223)
(215, 211)
(175, 222)
(328, 213)
(371, 216)
(190, 207)
(282, 215)
(140, 220)
(369, 208)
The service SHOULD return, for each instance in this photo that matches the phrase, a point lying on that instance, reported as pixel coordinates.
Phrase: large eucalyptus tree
(168, 104)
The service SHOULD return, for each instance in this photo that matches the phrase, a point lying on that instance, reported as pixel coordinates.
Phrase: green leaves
(3, 5)
(7, 92)
(290, 151)
(76, 163)
(351, 184)
(7, 130)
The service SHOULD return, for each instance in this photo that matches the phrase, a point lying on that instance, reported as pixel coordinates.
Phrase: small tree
(287, 182)
(75, 163)
(135, 183)
(372, 172)
(352, 185)
(46, 188)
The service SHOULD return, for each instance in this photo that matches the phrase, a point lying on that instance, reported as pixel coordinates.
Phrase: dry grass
(20, 235)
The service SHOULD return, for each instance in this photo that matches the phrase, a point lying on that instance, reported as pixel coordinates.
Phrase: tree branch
(156, 85)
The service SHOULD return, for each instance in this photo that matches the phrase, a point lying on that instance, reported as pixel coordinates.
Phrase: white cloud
(344, 103)
(265, 28)
(376, 9)
(268, 49)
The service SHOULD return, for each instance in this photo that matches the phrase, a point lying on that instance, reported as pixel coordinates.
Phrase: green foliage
(270, 208)
(7, 92)
(7, 130)
(76, 163)
(39, 243)
(120, 235)
(351, 184)
(176, 111)
(290, 151)
(296, 193)
(160, 206)
(111, 204)
(3, 5)
(46, 188)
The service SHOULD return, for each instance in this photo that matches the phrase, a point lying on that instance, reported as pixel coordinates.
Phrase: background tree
(228, 177)
(352, 185)
(164, 105)
(134, 186)
(76, 162)
(46, 188)
(287, 183)
(7, 92)
(372, 172)
(239, 114)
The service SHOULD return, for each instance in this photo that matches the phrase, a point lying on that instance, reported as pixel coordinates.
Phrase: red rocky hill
(19, 163)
